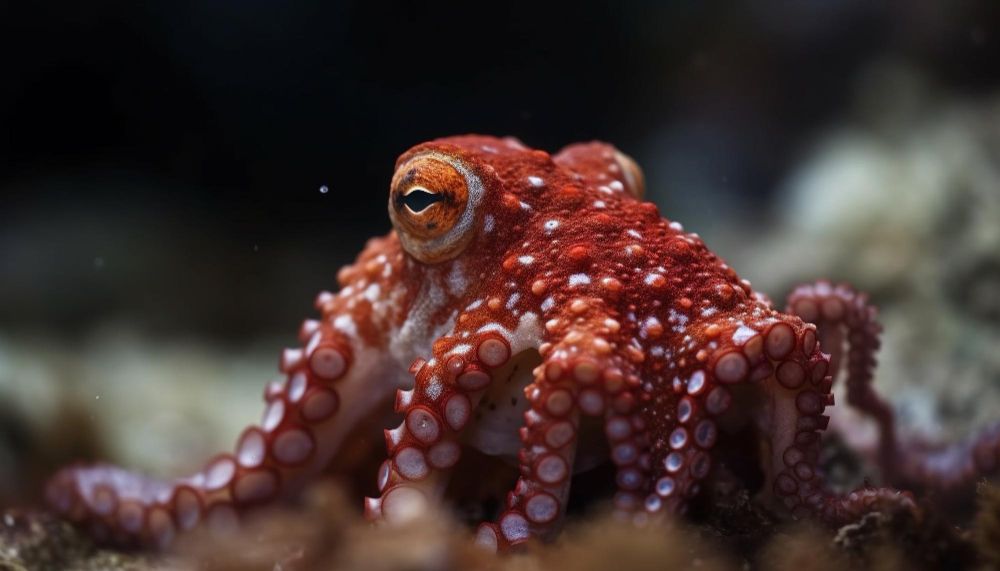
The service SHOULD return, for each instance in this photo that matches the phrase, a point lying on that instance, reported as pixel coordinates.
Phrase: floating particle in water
(324, 189)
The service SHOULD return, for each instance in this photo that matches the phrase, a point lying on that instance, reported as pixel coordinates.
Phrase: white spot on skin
(676, 227)
(526, 260)
(743, 334)
(651, 278)
(535, 181)
(436, 295)
(345, 323)
(512, 301)
(551, 225)
(599, 204)
(709, 311)
(525, 206)
(603, 188)
(474, 305)
(459, 349)
(650, 323)
(494, 327)
(680, 319)
(634, 233)
(372, 292)
(548, 304)
(527, 334)
(433, 388)
(415, 335)
(579, 279)
(615, 184)
(457, 281)
(488, 223)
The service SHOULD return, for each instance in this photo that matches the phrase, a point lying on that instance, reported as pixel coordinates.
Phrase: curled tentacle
(844, 317)
(849, 330)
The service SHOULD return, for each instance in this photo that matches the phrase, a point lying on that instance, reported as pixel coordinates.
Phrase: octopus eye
(431, 202)
(418, 199)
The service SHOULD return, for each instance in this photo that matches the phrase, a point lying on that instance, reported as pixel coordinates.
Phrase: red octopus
(545, 285)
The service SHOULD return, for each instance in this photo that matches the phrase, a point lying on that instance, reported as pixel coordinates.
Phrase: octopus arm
(848, 328)
(766, 374)
(447, 387)
(578, 375)
(581, 375)
(302, 427)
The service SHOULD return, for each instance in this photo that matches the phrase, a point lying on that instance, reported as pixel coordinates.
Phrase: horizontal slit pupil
(419, 200)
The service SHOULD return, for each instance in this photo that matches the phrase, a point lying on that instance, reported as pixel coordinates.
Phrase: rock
(36, 541)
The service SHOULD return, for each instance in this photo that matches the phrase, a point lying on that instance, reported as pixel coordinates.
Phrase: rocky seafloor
(323, 531)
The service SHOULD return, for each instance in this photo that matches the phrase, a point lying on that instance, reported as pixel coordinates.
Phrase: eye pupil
(419, 200)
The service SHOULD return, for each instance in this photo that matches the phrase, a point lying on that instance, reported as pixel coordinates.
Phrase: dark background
(160, 161)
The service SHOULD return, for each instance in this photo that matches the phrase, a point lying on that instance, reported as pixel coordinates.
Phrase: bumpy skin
(634, 321)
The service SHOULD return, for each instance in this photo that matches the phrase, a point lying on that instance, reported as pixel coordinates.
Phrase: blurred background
(163, 229)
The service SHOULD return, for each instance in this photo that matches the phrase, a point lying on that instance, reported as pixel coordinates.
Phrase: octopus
(532, 307)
